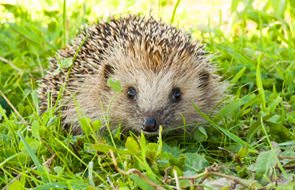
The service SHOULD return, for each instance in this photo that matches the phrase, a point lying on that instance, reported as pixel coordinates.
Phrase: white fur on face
(154, 90)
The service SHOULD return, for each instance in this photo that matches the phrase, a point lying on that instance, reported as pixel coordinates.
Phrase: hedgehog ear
(108, 70)
(204, 77)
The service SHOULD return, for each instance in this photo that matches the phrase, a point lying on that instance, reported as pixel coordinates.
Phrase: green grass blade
(34, 157)
(227, 133)
(238, 76)
(229, 108)
(90, 176)
(174, 11)
(273, 151)
(64, 16)
(259, 83)
(71, 152)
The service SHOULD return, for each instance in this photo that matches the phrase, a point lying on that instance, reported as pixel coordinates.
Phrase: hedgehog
(163, 73)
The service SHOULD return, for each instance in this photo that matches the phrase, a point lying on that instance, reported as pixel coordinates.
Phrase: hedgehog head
(157, 89)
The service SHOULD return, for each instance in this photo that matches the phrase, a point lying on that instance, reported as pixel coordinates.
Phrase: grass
(250, 142)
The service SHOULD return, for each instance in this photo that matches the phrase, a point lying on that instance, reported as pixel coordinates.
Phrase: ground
(249, 143)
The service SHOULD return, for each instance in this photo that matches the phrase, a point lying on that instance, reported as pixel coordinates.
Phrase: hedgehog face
(151, 97)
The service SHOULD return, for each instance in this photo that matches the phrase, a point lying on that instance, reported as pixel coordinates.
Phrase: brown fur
(145, 54)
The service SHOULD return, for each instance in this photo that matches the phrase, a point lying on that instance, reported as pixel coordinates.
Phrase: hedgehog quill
(162, 71)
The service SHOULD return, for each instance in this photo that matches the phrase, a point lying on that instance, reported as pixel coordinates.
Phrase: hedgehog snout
(150, 124)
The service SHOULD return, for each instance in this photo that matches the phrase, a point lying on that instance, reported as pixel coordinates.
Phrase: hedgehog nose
(150, 124)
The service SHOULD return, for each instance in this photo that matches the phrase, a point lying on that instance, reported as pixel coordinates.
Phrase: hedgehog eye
(176, 95)
(131, 93)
